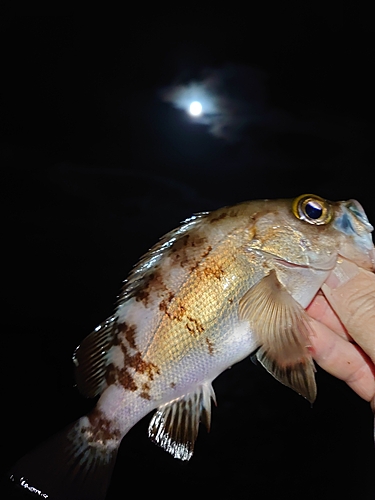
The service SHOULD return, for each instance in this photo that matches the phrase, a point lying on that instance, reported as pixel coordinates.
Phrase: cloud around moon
(232, 97)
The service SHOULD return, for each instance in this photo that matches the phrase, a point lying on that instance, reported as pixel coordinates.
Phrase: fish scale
(213, 293)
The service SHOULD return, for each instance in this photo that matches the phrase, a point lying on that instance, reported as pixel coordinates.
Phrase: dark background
(95, 166)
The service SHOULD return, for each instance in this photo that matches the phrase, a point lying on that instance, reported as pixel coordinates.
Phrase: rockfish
(221, 286)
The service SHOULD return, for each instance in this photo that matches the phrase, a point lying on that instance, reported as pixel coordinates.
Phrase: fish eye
(312, 209)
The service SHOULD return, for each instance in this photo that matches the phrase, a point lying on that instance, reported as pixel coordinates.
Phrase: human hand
(343, 322)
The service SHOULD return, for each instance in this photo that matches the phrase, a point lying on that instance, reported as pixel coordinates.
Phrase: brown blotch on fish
(180, 258)
(215, 271)
(207, 251)
(190, 328)
(102, 430)
(123, 375)
(180, 253)
(180, 243)
(222, 216)
(177, 313)
(111, 374)
(143, 295)
(141, 366)
(197, 241)
(188, 240)
(145, 394)
(153, 282)
(210, 346)
(194, 326)
(163, 306)
(203, 256)
(125, 379)
(129, 332)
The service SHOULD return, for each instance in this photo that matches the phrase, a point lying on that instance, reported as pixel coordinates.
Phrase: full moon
(195, 108)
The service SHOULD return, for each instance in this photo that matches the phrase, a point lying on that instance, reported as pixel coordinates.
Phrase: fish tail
(72, 465)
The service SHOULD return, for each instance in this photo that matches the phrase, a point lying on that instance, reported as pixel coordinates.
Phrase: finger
(320, 310)
(351, 293)
(343, 360)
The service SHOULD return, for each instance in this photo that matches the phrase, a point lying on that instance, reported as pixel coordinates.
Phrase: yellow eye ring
(312, 209)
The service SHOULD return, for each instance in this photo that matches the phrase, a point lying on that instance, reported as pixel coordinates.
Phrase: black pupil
(313, 210)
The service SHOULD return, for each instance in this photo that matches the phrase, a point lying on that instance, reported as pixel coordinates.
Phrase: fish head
(298, 243)
(310, 231)
(305, 237)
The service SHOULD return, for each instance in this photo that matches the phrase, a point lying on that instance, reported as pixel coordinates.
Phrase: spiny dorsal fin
(282, 329)
(150, 260)
(91, 359)
(174, 426)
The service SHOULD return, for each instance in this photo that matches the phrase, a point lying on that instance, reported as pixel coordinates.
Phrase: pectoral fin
(282, 328)
(174, 426)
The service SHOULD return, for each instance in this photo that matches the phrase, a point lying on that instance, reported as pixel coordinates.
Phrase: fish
(222, 286)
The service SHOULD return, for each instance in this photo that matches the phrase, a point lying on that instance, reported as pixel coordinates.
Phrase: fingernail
(343, 272)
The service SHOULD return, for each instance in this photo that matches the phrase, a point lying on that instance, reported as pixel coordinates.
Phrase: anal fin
(175, 425)
(281, 326)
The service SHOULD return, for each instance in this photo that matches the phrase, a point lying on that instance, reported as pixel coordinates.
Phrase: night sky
(99, 158)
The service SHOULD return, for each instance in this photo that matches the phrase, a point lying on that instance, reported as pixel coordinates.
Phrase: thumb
(350, 290)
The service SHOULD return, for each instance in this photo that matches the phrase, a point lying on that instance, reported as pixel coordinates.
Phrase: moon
(195, 108)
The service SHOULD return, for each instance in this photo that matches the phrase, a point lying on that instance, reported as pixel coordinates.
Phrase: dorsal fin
(174, 426)
(91, 358)
(150, 260)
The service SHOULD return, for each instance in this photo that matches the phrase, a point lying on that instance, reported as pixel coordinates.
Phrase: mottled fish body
(219, 287)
